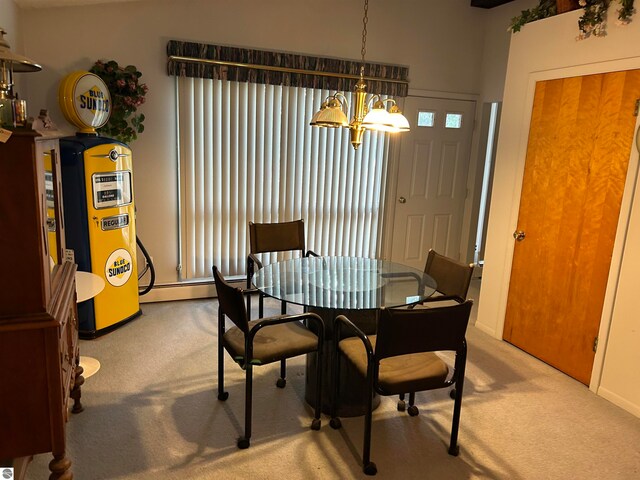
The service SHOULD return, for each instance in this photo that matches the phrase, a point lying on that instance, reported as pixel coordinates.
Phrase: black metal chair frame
(247, 363)
(297, 244)
(373, 362)
(458, 296)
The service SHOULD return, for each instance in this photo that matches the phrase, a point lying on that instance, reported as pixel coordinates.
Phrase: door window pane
(453, 120)
(426, 119)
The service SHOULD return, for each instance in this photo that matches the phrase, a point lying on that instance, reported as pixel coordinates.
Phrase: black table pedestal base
(353, 387)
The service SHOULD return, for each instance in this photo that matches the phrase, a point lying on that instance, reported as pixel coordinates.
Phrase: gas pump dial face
(85, 100)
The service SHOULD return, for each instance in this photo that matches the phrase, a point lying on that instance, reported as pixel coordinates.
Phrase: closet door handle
(518, 235)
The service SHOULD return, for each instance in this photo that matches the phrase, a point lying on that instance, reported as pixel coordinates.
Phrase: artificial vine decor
(592, 22)
(127, 94)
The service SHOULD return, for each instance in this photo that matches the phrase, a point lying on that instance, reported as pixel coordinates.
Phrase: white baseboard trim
(167, 293)
(477, 271)
(184, 291)
(489, 331)
(619, 401)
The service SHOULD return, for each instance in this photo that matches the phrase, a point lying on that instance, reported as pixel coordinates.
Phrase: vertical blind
(247, 153)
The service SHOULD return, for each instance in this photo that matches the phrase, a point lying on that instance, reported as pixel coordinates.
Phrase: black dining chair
(401, 358)
(261, 342)
(452, 279)
(268, 238)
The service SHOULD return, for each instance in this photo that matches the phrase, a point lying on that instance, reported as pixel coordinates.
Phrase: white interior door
(432, 179)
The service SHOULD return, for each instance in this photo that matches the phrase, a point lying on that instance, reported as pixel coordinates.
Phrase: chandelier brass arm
(331, 113)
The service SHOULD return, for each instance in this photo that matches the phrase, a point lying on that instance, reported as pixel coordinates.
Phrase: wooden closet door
(580, 139)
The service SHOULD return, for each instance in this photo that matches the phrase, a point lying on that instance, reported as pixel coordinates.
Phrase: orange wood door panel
(582, 130)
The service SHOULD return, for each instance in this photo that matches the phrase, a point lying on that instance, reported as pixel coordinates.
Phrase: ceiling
(50, 3)
(61, 3)
(488, 3)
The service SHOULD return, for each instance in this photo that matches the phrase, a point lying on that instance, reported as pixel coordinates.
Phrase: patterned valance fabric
(377, 74)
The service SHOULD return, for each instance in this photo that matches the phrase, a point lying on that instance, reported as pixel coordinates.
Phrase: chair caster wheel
(243, 443)
(454, 451)
(452, 394)
(335, 423)
(370, 469)
(413, 411)
(402, 406)
(315, 424)
(281, 383)
(223, 396)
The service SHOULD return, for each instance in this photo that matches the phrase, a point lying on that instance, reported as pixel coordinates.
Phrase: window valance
(189, 59)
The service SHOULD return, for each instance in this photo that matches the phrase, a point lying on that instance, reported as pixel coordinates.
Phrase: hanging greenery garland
(127, 94)
(593, 20)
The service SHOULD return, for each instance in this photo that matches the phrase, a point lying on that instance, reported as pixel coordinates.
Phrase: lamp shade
(15, 62)
(314, 119)
(378, 119)
(331, 116)
(400, 122)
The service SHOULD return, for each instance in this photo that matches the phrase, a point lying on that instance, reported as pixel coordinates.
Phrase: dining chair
(453, 279)
(268, 238)
(401, 358)
(261, 342)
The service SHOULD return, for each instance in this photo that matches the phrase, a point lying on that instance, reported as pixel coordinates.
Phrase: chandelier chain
(365, 20)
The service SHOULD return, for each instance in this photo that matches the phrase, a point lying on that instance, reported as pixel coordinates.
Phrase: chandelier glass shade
(369, 114)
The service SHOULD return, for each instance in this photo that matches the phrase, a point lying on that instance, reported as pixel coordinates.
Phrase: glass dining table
(352, 286)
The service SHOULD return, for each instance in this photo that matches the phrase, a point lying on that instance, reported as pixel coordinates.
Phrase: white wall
(543, 50)
(441, 42)
(9, 22)
(496, 48)
(493, 70)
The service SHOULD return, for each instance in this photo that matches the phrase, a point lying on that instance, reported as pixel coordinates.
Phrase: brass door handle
(518, 235)
(402, 200)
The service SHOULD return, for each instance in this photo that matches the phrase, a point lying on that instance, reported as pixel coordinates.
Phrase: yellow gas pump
(51, 214)
(97, 183)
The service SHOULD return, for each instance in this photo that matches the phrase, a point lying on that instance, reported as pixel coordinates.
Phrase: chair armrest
(342, 321)
(279, 319)
(314, 318)
(311, 253)
(400, 275)
(252, 262)
(441, 298)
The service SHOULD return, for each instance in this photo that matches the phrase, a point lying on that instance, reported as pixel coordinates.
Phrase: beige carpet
(151, 412)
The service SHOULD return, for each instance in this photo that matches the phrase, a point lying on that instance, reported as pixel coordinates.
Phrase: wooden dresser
(39, 358)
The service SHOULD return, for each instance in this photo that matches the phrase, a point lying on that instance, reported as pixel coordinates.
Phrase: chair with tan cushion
(401, 358)
(260, 342)
(453, 279)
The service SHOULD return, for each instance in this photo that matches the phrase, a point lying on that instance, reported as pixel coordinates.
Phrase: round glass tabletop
(344, 283)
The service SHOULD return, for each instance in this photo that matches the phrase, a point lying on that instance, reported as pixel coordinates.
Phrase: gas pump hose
(149, 266)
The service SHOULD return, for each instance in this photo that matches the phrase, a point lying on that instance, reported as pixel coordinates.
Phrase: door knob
(402, 200)
(518, 235)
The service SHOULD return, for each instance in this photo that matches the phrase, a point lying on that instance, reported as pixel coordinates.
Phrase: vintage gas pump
(97, 183)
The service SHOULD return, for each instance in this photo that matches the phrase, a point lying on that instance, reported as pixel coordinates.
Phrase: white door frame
(496, 306)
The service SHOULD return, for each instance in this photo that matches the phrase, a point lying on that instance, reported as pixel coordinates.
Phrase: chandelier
(369, 114)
